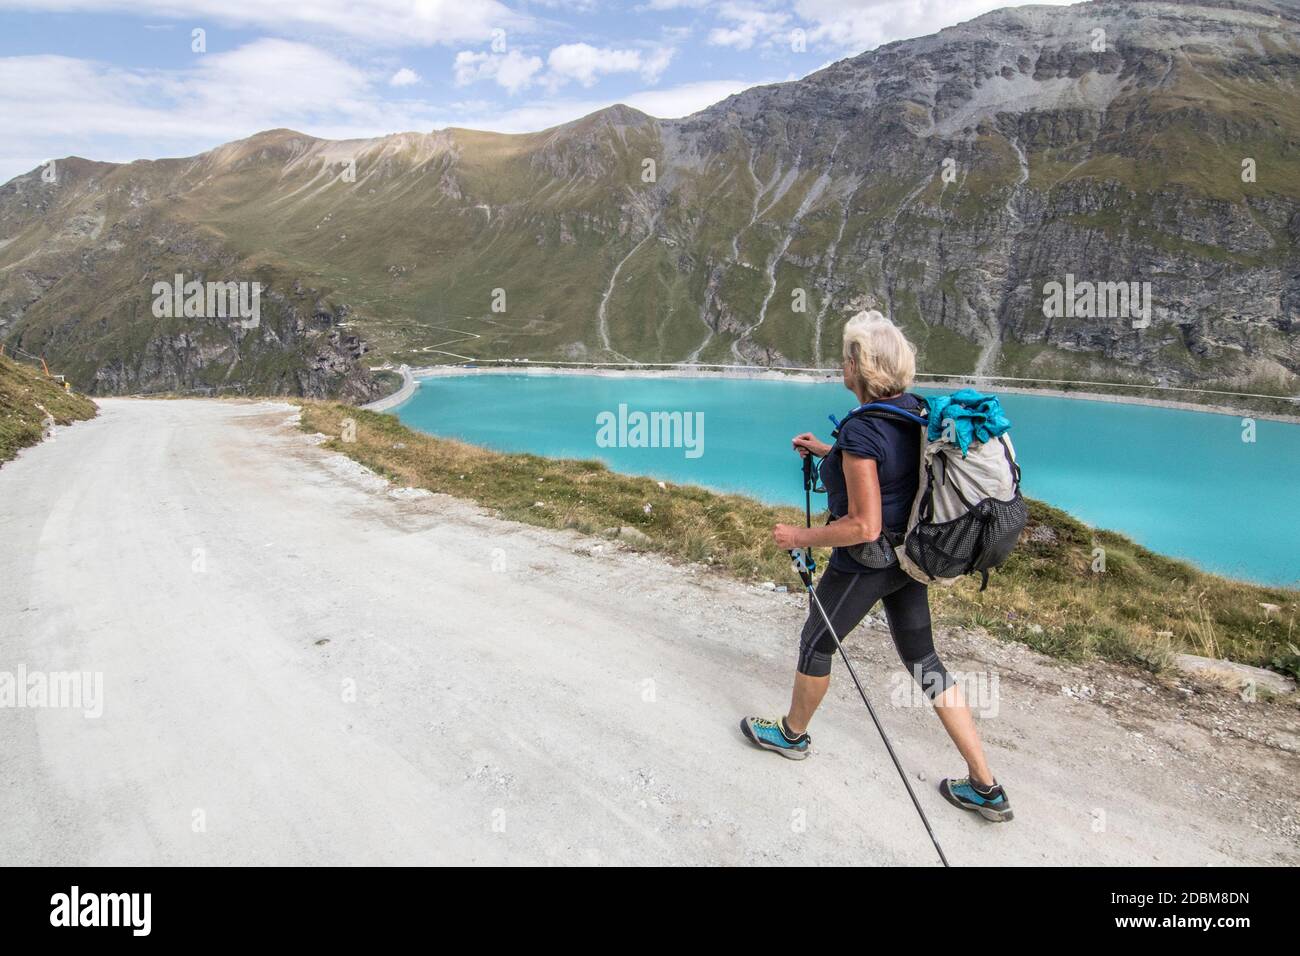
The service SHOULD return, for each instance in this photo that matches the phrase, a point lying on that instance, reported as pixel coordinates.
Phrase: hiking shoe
(769, 735)
(991, 804)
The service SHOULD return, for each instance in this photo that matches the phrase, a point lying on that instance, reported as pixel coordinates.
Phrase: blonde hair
(883, 359)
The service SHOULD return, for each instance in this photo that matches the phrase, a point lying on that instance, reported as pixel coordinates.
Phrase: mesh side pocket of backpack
(948, 549)
(874, 554)
(1004, 522)
(978, 540)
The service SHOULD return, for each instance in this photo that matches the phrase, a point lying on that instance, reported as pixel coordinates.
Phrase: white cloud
(516, 71)
(836, 26)
(306, 81)
(404, 77)
(579, 63)
(223, 93)
(855, 25)
(470, 67)
(749, 23)
(585, 63)
(654, 64)
(688, 98)
(513, 71)
(382, 22)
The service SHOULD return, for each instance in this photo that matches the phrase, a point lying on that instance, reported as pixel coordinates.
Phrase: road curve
(301, 667)
(406, 390)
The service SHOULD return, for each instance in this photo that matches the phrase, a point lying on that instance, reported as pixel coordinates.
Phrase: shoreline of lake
(813, 378)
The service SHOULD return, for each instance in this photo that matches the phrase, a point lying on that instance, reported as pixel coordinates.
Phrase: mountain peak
(618, 115)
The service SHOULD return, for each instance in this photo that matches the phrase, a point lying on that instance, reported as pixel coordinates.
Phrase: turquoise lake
(1182, 483)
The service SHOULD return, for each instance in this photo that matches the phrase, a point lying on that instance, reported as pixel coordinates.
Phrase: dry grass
(26, 395)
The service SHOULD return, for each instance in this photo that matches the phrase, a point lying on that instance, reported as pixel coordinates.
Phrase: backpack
(968, 512)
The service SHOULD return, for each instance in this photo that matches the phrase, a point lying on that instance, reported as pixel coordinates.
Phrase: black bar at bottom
(330, 907)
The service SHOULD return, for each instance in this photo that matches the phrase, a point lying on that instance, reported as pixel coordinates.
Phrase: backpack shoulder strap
(1015, 466)
(881, 410)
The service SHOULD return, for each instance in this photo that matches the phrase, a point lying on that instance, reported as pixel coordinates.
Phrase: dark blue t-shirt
(895, 447)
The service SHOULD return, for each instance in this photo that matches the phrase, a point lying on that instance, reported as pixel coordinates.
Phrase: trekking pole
(804, 565)
(809, 482)
(807, 487)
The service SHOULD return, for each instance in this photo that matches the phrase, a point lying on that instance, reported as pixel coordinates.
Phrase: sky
(120, 80)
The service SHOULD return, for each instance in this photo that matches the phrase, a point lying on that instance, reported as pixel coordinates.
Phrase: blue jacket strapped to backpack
(974, 417)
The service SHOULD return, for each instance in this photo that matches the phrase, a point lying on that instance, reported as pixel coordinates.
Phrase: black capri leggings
(847, 599)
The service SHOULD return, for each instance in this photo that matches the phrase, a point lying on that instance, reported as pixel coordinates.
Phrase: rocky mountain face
(83, 256)
(949, 180)
(1105, 191)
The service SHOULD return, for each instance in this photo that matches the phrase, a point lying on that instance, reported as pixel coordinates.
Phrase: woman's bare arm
(862, 523)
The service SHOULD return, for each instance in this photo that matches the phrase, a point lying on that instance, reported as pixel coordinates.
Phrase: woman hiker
(870, 475)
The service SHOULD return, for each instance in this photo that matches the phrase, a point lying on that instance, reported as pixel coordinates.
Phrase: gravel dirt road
(302, 664)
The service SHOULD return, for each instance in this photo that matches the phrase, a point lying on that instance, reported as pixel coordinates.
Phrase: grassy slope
(1142, 609)
(22, 389)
